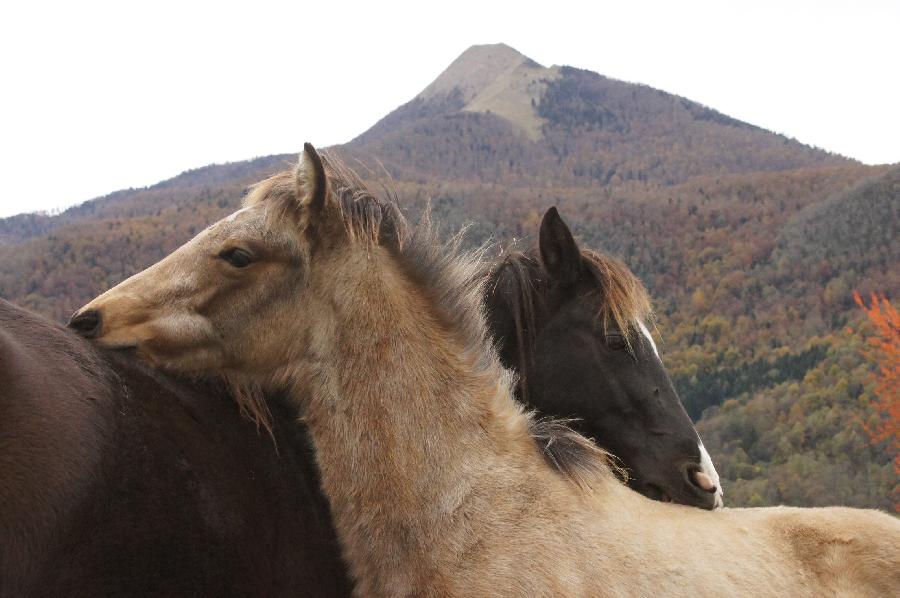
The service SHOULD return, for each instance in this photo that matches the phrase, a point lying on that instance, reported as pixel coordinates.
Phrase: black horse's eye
(616, 342)
(237, 257)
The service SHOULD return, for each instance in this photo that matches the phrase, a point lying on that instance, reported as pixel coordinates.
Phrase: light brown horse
(436, 485)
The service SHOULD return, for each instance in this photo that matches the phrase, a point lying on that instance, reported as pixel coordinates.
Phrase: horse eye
(616, 342)
(237, 257)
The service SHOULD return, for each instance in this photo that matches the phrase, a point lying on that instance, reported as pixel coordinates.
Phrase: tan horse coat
(436, 485)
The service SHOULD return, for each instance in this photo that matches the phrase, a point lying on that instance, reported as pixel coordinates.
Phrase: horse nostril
(700, 479)
(87, 323)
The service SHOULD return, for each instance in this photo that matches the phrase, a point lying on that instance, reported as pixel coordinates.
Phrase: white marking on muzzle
(706, 466)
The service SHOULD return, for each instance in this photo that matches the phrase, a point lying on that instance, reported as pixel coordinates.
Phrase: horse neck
(406, 424)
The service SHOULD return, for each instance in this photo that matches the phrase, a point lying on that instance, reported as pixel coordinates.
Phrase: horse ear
(559, 251)
(312, 185)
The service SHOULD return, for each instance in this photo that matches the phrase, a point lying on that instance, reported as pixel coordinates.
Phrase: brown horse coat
(118, 481)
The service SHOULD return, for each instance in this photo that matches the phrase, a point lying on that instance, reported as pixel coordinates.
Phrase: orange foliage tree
(885, 349)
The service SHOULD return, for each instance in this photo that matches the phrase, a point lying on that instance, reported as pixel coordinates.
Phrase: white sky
(98, 96)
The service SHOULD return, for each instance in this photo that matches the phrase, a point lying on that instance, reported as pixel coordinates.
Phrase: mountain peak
(474, 69)
(498, 79)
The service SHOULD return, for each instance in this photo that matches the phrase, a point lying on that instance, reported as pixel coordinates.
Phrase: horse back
(117, 480)
(853, 552)
(53, 413)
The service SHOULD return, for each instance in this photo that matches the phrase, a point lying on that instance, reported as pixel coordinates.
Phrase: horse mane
(573, 455)
(454, 279)
(516, 275)
(520, 276)
(251, 400)
(625, 298)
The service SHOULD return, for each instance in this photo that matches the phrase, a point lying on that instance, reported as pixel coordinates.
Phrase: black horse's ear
(312, 185)
(559, 251)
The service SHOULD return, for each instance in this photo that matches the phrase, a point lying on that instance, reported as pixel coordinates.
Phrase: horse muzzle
(87, 323)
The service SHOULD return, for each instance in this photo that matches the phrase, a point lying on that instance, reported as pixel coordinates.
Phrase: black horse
(116, 479)
(571, 322)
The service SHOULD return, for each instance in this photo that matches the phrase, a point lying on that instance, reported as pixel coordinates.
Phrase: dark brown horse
(116, 480)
